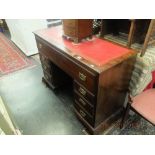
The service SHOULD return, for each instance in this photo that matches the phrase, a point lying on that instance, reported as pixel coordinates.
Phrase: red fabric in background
(150, 85)
(97, 51)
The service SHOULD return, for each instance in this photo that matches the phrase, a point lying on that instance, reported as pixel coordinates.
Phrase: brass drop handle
(82, 101)
(82, 76)
(40, 45)
(82, 91)
(82, 113)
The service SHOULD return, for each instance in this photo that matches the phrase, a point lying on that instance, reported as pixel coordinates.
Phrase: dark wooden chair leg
(125, 115)
(131, 33)
(148, 37)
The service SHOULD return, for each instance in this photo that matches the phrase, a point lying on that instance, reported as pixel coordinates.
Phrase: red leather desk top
(97, 51)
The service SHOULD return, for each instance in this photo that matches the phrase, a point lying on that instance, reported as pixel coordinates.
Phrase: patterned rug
(135, 125)
(11, 58)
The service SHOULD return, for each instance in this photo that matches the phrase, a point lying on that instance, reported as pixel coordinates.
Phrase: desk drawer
(84, 93)
(46, 68)
(46, 64)
(47, 76)
(86, 79)
(83, 103)
(70, 65)
(44, 60)
(84, 114)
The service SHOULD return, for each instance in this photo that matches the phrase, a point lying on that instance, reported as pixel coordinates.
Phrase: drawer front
(86, 79)
(84, 114)
(47, 77)
(68, 64)
(83, 103)
(46, 68)
(84, 93)
(44, 60)
(46, 64)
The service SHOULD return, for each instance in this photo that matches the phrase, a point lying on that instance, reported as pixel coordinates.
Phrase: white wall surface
(21, 31)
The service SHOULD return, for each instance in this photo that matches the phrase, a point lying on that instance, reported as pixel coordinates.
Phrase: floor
(37, 109)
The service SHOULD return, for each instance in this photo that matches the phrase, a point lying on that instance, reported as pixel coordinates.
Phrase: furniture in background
(21, 31)
(96, 26)
(119, 27)
(152, 83)
(1, 26)
(53, 22)
(143, 74)
(98, 98)
(115, 26)
(143, 104)
(140, 31)
(150, 37)
(125, 28)
(143, 77)
(143, 81)
(131, 33)
(77, 29)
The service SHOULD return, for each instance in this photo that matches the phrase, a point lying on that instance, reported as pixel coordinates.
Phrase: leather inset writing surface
(97, 51)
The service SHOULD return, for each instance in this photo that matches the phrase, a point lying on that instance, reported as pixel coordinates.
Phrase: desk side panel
(112, 90)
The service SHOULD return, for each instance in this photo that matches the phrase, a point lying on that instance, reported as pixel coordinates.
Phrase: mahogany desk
(100, 70)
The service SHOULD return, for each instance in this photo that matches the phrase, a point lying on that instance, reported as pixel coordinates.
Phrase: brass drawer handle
(82, 113)
(82, 76)
(82, 91)
(40, 45)
(82, 101)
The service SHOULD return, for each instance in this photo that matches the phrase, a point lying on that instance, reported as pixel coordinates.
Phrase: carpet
(135, 125)
(11, 58)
